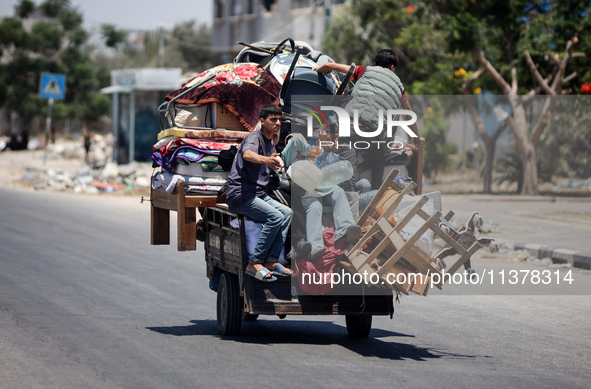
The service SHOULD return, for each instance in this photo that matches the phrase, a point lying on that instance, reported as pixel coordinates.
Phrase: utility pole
(327, 7)
(160, 46)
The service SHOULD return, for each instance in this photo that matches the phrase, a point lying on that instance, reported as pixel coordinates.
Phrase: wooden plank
(392, 208)
(186, 222)
(163, 200)
(419, 167)
(415, 209)
(392, 275)
(378, 196)
(159, 226)
(449, 215)
(200, 201)
(364, 238)
(393, 259)
(448, 239)
(374, 228)
(420, 261)
(421, 288)
(358, 260)
(159, 223)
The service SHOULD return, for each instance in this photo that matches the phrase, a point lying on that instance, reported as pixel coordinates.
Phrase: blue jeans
(341, 212)
(275, 218)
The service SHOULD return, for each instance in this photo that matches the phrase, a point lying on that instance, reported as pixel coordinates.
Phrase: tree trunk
(487, 171)
(525, 149)
(530, 170)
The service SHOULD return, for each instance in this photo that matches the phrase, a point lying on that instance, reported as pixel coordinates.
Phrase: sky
(134, 14)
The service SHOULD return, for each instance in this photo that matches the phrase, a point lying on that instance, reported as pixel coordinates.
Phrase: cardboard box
(212, 115)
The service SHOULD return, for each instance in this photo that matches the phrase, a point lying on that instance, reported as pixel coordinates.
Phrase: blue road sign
(52, 86)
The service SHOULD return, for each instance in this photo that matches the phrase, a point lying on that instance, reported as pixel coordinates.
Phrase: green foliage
(12, 33)
(53, 8)
(112, 35)
(436, 156)
(566, 147)
(25, 7)
(435, 41)
(46, 38)
(51, 45)
(342, 40)
(70, 20)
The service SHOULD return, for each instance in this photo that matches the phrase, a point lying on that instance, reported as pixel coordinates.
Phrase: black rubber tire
(229, 305)
(250, 317)
(358, 326)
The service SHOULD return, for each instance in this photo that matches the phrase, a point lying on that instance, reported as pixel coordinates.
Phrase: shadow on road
(315, 333)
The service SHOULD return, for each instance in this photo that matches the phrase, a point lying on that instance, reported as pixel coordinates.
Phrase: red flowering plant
(586, 88)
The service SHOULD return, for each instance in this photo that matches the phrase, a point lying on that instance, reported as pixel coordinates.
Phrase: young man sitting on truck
(247, 194)
(373, 84)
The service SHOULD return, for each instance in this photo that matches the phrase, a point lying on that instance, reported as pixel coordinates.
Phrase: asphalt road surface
(86, 302)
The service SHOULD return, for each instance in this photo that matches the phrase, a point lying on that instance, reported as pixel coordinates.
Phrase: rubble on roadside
(62, 167)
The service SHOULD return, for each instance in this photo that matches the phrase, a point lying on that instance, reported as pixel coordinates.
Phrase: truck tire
(229, 305)
(358, 326)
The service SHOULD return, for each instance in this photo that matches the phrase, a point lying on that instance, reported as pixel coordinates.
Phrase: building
(270, 21)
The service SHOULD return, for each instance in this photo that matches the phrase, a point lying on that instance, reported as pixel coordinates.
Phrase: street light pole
(160, 46)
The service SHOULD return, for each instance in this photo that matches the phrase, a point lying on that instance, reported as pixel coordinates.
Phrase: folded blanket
(187, 154)
(243, 88)
(168, 181)
(174, 144)
(223, 136)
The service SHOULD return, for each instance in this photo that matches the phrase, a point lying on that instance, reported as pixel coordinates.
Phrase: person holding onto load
(377, 88)
(247, 194)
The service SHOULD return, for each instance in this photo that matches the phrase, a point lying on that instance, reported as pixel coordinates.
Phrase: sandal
(261, 275)
(279, 271)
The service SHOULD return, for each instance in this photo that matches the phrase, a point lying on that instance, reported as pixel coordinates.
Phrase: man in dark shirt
(247, 194)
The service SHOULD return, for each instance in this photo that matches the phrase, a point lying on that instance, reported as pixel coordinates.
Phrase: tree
(187, 46)
(434, 132)
(519, 49)
(53, 44)
(193, 42)
(112, 35)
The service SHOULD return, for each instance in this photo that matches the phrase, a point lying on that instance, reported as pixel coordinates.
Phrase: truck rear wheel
(358, 326)
(229, 305)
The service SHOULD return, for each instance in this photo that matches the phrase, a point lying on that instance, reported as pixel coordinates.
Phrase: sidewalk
(558, 228)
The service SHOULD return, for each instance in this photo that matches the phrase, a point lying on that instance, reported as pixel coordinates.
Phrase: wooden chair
(384, 251)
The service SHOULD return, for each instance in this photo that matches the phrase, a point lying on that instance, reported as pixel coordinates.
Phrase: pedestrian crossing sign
(52, 86)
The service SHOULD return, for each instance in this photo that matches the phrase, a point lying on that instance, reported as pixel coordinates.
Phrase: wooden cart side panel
(185, 206)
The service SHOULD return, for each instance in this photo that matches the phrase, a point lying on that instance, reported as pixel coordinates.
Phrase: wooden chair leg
(186, 222)
(160, 226)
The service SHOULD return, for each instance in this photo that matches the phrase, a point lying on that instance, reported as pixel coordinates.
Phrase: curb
(578, 259)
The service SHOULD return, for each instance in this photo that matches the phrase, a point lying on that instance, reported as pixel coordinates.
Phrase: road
(86, 302)
(556, 222)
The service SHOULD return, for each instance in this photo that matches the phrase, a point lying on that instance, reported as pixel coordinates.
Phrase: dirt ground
(41, 170)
